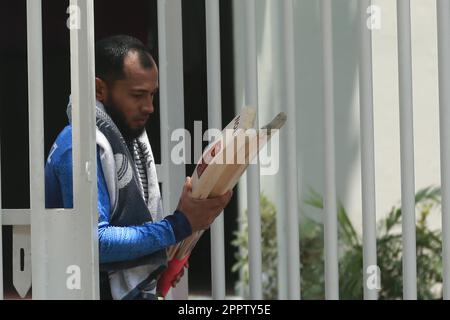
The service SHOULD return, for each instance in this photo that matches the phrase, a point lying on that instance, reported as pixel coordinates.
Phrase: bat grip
(169, 275)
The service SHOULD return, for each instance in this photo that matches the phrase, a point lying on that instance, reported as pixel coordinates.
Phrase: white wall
(310, 103)
(426, 102)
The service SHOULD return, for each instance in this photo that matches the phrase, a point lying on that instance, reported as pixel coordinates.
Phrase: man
(133, 235)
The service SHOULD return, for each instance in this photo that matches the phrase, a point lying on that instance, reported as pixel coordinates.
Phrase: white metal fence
(63, 243)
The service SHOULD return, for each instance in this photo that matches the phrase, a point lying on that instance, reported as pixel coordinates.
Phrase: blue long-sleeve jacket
(115, 243)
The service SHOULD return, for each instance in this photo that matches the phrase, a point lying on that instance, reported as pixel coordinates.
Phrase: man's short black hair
(110, 54)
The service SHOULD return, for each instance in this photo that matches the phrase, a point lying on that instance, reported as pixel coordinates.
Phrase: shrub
(389, 252)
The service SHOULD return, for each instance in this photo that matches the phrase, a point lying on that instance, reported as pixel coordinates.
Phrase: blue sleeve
(53, 196)
(63, 170)
(123, 243)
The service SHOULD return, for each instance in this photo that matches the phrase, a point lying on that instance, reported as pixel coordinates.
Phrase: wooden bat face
(211, 165)
(254, 142)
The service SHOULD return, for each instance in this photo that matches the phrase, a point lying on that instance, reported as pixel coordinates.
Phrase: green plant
(269, 251)
(389, 252)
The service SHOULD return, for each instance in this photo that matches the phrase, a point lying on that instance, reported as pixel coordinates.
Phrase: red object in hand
(173, 269)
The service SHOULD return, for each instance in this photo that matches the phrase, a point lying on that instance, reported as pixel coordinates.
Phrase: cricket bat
(210, 168)
(257, 140)
(218, 171)
(213, 161)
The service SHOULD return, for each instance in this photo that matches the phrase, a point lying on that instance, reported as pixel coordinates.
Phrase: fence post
(64, 243)
(367, 152)
(443, 18)
(292, 219)
(36, 139)
(215, 121)
(171, 108)
(407, 150)
(85, 220)
(253, 172)
(330, 221)
(1, 225)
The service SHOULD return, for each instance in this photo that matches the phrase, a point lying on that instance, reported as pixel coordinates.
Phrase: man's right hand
(201, 213)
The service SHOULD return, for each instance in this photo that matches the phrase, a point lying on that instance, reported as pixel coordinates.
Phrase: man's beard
(119, 120)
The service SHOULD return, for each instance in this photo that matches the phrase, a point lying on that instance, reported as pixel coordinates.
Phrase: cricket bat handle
(174, 267)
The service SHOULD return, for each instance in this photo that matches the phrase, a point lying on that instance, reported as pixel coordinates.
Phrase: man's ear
(101, 90)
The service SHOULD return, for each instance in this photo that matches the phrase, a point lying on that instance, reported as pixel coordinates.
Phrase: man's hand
(201, 213)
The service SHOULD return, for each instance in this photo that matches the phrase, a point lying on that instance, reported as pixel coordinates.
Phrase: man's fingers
(187, 188)
(216, 205)
(201, 213)
(223, 200)
(229, 196)
(188, 183)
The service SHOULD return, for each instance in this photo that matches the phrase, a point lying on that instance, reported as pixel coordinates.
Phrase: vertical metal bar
(407, 150)
(215, 121)
(238, 53)
(443, 18)
(84, 222)
(171, 107)
(36, 141)
(330, 222)
(1, 225)
(367, 151)
(283, 82)
(83, 96)
(292, 225)
(253, 174)
(21, 259)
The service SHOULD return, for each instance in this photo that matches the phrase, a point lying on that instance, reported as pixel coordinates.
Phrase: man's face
(129, 101)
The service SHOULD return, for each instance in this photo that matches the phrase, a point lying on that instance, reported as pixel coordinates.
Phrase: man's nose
(148, 107)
